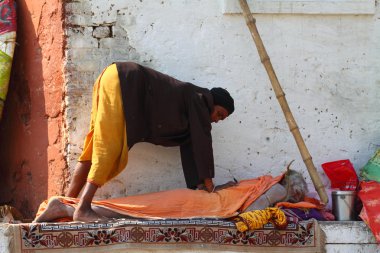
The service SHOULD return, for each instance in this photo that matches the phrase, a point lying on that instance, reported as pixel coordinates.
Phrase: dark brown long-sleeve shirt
(164, 111)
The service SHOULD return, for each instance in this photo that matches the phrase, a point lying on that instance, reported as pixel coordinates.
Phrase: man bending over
(132, 103)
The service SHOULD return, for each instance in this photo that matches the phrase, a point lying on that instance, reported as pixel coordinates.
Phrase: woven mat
(177, 235)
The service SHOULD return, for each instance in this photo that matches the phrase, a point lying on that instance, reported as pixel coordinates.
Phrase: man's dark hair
(223, 98)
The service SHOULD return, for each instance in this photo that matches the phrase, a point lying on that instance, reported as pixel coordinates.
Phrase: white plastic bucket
(343, 205)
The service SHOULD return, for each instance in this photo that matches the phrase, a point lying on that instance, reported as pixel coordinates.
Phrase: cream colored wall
(328, 66)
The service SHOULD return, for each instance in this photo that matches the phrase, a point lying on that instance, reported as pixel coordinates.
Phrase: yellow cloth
(106, 143)
(258, 218)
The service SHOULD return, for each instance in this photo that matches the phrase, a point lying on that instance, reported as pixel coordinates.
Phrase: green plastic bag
(5, 72)
(371, 171)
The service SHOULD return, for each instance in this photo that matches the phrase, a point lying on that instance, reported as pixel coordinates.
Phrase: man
(133, 103)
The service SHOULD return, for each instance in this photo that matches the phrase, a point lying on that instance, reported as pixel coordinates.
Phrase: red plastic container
(342, 175)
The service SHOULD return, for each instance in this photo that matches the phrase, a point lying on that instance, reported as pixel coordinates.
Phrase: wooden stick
(251, 23)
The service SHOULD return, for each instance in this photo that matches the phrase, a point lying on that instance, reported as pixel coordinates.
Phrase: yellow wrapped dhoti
(106, 143)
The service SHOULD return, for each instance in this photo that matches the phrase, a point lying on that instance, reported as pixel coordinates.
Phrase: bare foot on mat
(87, 215)
(54, 210)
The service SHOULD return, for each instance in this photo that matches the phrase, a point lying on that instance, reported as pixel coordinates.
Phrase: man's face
(219, 113)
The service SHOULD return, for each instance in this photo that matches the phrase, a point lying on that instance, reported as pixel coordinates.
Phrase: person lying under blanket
(247, 195)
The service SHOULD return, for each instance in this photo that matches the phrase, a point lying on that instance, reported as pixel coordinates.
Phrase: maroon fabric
(7, 16)
(299, 214)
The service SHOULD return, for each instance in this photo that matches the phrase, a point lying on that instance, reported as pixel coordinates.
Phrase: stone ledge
(344, 232)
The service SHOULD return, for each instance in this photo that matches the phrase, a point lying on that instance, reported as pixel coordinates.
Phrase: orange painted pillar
(32, 164)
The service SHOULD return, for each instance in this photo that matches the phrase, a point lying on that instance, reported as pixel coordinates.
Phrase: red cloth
(369, 195)
(7, 16)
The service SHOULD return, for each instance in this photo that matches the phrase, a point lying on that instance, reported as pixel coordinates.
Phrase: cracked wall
(327, 66)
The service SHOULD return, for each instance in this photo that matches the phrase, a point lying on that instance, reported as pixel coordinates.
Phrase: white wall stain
(328, 66)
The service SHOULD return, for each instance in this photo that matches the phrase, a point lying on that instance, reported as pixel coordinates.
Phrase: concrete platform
(348, 236)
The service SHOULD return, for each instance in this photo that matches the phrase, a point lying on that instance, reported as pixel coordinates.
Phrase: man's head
(223, 104)
(295, 185)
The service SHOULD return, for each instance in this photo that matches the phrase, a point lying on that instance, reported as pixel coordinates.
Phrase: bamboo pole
(251, 23)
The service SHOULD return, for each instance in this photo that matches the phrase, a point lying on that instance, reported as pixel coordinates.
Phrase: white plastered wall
(327, 64)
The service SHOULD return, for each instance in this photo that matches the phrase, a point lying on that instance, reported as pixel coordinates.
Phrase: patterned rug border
(210, 234)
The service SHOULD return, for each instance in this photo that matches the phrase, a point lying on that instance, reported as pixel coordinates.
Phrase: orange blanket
(185, 203)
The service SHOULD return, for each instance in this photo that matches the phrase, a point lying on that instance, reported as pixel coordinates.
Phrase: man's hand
(210, 187)
(207, 185)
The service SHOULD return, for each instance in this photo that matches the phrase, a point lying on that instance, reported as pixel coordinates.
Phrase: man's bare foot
(54, 210)
(87, 215)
